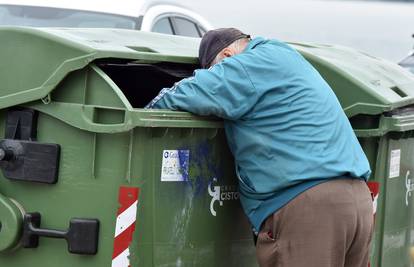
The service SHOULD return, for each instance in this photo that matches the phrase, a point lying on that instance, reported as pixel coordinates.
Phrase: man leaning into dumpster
(302, 173)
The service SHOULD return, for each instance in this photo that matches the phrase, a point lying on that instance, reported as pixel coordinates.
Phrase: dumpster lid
(35, 60)
(364, 84)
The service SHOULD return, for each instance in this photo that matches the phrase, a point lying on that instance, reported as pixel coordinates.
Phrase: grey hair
(237, 45)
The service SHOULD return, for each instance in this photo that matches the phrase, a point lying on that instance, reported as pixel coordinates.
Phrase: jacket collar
(254, 42)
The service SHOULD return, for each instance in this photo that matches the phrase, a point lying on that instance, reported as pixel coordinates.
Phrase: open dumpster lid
(36, 60)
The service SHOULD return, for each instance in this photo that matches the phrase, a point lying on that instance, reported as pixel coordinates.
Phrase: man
(301, 169)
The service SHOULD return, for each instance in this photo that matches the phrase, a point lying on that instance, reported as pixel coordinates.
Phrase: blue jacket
(284, 125)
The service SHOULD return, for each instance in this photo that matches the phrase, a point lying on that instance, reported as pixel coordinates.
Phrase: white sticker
(175, 165)
(395, 160)
(221, 193)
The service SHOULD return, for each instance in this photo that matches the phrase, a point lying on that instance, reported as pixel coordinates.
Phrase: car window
(202, 30)
(408, 63)
(59, 17)
(185, 27)
(163, 26)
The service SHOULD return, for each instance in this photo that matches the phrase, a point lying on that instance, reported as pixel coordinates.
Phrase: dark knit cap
(216, 40)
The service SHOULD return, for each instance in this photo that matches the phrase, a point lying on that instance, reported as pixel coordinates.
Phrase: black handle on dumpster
(21, 157)
(6, 154)
(82, 235)
(29, 161)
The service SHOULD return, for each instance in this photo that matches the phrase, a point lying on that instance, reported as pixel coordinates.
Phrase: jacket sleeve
(225, 91)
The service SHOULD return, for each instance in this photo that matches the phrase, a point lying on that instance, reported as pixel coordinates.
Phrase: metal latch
(82, 235)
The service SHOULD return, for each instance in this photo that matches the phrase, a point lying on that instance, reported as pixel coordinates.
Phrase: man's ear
(227, 52)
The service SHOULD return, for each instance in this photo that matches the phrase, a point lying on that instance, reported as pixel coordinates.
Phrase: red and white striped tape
(374, 188)
(125, 225)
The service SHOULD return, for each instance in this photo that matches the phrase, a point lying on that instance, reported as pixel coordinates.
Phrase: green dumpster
(378, 98)
(90, 178)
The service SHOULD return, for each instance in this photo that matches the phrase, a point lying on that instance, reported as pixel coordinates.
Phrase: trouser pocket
(267, 246)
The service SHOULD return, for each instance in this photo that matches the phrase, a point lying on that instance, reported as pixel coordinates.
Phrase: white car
(126, 14)
(408, 62)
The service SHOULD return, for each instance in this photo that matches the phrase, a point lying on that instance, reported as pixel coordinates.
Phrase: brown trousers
(329, 225)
